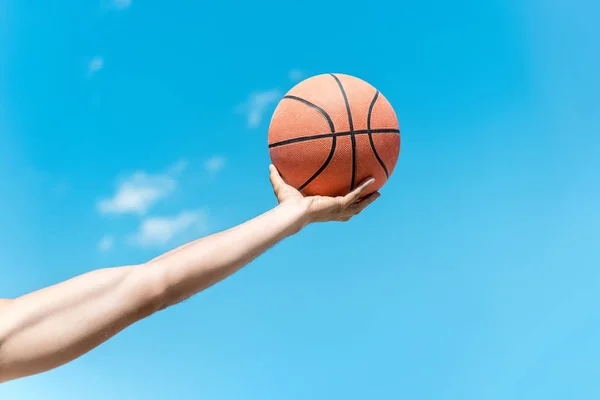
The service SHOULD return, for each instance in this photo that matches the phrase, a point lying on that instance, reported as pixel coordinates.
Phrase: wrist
(297, 213)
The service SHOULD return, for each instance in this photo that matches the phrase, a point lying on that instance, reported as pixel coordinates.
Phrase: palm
(323, 208)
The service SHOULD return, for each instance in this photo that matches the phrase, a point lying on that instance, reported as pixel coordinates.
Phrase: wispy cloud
(295, 75)
(95, 65)
(106, 243)
(121, 4)
(257, 104)
(178, 167)
(214, 164)
(158, 231)
(137, 193)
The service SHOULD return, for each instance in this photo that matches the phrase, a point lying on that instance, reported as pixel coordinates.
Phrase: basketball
(330, 132)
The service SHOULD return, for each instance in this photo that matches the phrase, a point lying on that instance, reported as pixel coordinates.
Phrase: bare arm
(53, 326)
(50, 327)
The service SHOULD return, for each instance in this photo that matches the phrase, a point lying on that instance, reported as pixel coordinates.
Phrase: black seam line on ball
(351, 126)
(316, 107)
(325, 164)
(371, 135)
(333, 141)
(336, 134)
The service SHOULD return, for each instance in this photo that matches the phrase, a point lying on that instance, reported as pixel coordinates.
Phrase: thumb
(275, 178)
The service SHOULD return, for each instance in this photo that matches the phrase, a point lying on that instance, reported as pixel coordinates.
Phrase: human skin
(50, 327)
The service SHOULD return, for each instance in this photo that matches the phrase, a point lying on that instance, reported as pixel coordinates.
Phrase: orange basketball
(331, 132)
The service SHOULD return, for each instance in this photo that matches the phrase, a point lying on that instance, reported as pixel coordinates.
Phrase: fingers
(357, 207)
(357, 193)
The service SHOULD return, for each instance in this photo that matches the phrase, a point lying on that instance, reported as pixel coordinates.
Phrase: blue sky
(129, 127)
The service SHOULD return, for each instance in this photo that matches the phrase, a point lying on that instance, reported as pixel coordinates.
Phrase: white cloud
(139, 192)
(214, 164)
(295, 75)
(106, 243)
(157, 231)
(95, 65)
(256, 105)
(122, 4)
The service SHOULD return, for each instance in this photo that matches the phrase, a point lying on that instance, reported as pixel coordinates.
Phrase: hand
(322, 208)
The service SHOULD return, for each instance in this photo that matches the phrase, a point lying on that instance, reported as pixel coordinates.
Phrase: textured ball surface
(331, 132)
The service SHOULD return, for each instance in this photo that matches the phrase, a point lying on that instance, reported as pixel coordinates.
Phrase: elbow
(148, 289)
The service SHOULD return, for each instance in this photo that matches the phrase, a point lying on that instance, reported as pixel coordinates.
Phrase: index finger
(363, 203)
(357, 193)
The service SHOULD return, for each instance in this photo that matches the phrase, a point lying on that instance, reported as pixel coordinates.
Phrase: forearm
(50, 327)
(199, 264)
